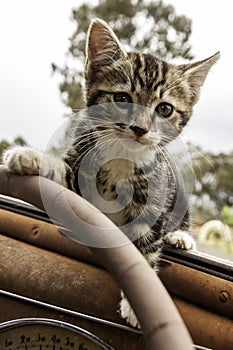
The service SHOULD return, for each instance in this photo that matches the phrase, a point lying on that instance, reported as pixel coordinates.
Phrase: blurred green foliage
(227, 213)
(213, 190)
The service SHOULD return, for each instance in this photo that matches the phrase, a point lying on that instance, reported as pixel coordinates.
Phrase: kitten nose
(138, 131)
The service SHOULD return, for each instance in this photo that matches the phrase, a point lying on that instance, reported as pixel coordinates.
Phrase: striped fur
(148, 81)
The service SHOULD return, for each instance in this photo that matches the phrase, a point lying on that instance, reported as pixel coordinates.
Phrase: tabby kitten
(136, 104)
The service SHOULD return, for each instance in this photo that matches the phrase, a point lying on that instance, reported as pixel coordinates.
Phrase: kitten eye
(121, 125)
(124, 98)
(164, 109)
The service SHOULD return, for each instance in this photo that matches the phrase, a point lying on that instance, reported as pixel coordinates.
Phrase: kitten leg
(180, 239)
(28, 161)
(126, 312)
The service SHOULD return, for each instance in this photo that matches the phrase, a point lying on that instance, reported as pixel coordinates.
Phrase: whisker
(101, 142)
(198, 170)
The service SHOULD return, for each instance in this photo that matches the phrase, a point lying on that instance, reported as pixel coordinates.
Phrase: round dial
(46, 334)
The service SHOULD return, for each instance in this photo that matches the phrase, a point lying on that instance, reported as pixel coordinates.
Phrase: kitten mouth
(142, 141)
(139, 139)
(147, 144)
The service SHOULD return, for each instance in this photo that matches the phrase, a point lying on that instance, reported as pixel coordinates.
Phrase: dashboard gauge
(47, 334)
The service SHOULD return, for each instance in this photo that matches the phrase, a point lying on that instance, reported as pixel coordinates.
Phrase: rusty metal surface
(59, 280)
(42, 234)
(203, 300)
(65, 282)
(208, 291)
(206, 328)
(205, 290)
(48, 276)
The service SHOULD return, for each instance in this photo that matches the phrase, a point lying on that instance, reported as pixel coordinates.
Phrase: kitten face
(150, 101)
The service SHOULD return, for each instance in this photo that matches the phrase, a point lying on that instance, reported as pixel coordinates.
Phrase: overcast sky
(34, 33)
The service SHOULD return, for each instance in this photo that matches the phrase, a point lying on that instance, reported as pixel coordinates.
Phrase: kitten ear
(103, 47)
(196, 73)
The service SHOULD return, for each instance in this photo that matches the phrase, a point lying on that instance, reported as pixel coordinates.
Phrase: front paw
(23, 160)
(180, 239)
(127, 312)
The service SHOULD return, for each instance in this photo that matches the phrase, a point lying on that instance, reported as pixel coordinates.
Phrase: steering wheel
(162, 325)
